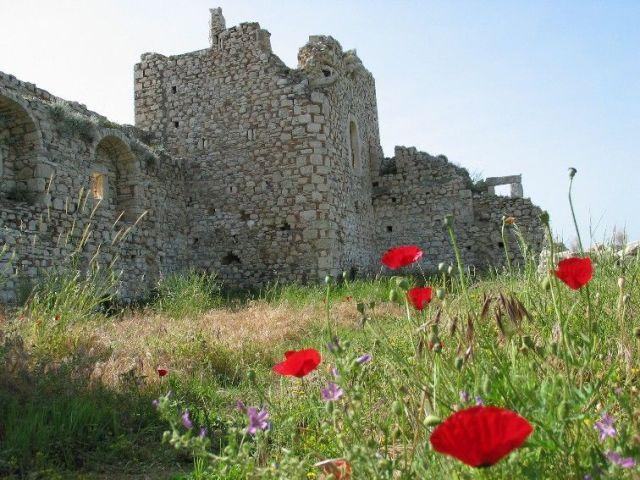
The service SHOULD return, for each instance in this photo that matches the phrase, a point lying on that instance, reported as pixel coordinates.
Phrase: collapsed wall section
(252, 138)
(70, 180)
(415, 191)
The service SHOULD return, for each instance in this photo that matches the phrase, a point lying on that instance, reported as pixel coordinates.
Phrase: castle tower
(217, 25)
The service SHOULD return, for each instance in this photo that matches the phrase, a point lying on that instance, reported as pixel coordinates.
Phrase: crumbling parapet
(217, 25)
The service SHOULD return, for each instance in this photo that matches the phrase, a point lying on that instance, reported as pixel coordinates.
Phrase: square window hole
(389, 228)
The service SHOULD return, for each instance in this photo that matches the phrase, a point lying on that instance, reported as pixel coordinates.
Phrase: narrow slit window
(174, 89)
(98, 181)
(354, 145)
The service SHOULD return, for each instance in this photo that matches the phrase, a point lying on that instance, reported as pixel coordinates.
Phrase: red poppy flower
(481, 436)
(298, 363)
(162, 372)
(401, 256)
(576, 272)
(338, 467)
(420, 297)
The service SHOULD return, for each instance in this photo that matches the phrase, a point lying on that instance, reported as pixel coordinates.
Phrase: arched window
(20, 146)
(354, 146)
(113, 179)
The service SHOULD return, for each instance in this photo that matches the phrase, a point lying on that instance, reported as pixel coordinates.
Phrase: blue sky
(499, 87)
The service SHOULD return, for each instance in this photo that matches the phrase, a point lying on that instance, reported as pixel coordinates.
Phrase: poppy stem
(573, 215)
(456, 251)
(506, 246)
(327, 309)
(575, 224)
(552, 285)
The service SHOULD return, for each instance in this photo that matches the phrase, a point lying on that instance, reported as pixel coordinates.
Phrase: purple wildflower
(366, 358)
(334, 372)
(622, 462)
(464, 396)
(479, 401)
(203, 432)
(605, 427)
(241, 406)
(334, 345)
(257, 420)
(332, 393)
(186, 421)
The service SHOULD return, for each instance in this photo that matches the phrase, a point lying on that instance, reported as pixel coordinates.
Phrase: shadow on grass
(55, 418)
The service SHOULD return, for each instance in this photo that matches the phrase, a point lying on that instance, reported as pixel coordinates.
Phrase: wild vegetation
(393, 377)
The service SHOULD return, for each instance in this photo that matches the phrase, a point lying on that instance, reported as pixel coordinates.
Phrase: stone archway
(114, 178)
(20, 148)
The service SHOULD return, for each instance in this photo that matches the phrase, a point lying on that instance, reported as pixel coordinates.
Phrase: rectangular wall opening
(98, 184)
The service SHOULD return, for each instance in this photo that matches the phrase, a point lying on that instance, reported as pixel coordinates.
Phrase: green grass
(501, 340)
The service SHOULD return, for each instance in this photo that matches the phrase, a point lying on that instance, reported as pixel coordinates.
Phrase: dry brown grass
(143, 341)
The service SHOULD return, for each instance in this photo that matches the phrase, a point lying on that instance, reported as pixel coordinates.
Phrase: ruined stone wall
(488, 211)
(252, 136)
(415, 191)
(240, 166)
(345, 91)
(53, 156)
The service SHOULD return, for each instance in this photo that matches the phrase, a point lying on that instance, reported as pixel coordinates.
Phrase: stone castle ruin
(238, 165)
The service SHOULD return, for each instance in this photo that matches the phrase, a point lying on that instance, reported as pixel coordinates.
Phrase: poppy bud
(626, 298)
(546, 283)
(621, 283)
(404, 284)
(166, 436)
(396, 408)
(636, 332)
(344, 275)
(441, 266)
(486, 385)
(393, 295)
(458, 363)
(329, 407)
(328, 280)
(563, 409)
(450, 269)
(544, 217)
(528, 341)
(441, 293)
(432, 421)
(448, 220)
(572, 172)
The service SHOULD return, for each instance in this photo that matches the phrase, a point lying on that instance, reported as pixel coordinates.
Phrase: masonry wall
(252, 136)
(415, 191)
(51, 150)
(346, 93)
(237, 165)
